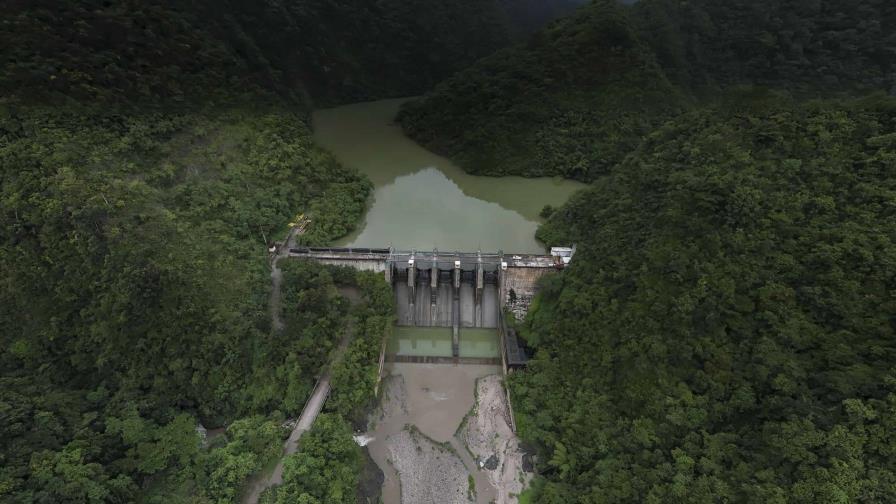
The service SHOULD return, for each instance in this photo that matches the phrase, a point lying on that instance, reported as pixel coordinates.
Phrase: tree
(65, 477)
(326, 467)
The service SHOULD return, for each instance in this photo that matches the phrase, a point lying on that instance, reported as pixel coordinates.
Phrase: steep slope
(572, 101)
(828, 46)
(134, 288)
(726, 331)
(582, 93)
(334, 51)
(353, 50)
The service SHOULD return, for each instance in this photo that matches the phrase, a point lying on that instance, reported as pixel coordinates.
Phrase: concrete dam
(456, 290)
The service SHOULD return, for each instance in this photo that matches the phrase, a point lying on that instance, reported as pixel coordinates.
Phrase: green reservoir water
(436, 342)
(423, 201)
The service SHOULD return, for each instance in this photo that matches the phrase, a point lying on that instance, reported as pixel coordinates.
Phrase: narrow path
(276, 280)
(277, 277)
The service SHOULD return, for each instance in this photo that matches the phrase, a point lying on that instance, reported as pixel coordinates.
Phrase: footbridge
(456, 290)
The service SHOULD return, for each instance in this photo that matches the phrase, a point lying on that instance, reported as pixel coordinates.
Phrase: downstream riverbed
(424, 201)
(413, 435)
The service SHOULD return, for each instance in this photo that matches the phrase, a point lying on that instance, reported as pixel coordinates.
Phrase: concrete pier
(412, 289)
(477, 314)
(455, 309)
(434, 288)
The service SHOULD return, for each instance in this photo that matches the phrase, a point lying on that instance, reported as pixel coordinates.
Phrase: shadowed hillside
(580, 95)
(335, 51)
(572, 101)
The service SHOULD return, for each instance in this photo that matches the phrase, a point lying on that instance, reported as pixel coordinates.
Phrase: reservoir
(423, 201)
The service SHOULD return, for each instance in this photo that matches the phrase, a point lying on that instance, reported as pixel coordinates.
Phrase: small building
(563, 255)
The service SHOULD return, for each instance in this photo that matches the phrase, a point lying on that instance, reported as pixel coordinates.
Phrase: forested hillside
(726, 330)
(575, 99)
(334, 51)
(572, 101)
(135, 286)
(148, 155)
(808, 47)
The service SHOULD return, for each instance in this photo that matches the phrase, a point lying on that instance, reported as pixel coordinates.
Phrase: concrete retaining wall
(361, 265)
(524, 283)
(414, 359)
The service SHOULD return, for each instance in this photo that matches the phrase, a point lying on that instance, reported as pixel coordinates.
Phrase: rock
(528, 461)
(429, 471)
(492, 463)
(203, 434)
(394, 400)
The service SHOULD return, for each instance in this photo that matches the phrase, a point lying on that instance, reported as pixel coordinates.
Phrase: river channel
(422, 201)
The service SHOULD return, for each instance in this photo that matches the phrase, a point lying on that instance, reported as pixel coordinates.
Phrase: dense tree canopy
(572, 101)
(726, 331)
(324, 471)
(148, 155)
(354, 375)
(580, 95)
(804, 46)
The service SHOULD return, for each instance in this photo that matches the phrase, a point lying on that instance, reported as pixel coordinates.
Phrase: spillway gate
(456, 290)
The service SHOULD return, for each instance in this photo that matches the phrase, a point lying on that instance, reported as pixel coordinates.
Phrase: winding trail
(277, 276)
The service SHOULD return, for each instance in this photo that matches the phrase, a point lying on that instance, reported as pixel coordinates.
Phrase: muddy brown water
(437, 399)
